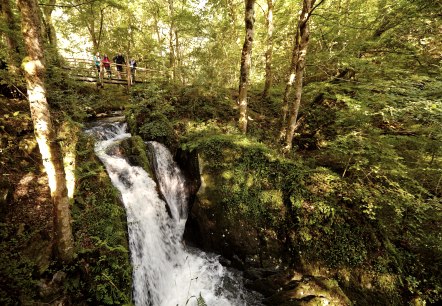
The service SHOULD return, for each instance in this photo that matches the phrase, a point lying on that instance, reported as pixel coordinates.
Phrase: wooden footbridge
(85, 70)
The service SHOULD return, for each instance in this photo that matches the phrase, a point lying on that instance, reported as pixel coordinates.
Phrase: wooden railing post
(129, 75)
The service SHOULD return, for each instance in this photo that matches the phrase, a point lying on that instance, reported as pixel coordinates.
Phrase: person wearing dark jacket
(119, 62)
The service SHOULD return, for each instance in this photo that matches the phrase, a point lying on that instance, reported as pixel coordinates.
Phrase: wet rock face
(211, 228)
(237, 242)
(188, 163)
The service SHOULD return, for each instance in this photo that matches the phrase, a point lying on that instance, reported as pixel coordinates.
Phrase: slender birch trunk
(289, 85)
(300, 53)
(269, 50)
(180, 74)
(172, 59)
(156, 17)
(100, 31)
(34, 68)
(246, 61)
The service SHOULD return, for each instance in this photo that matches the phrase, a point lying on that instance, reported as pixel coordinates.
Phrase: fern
(201, 301)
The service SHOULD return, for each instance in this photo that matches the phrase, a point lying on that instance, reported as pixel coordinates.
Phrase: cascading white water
(166, 273)
(170, 181)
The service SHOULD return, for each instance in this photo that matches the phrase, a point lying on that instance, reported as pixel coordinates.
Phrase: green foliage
(135, 150)
(198, 102)
(102, 271)
(163, 113)
(16, 270)
(343, 246)
(148, 115)
(201, 301)
(250, 179)
(387, 166)
(156, 127)
(82, 101)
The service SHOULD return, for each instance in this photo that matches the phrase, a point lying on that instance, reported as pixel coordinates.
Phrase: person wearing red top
(107, 65)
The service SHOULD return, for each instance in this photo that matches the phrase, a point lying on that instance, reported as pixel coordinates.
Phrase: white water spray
(170, 181)
(165, 272)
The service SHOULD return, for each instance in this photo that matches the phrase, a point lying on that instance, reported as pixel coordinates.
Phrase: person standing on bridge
(97, 61)
(119, 62)
(107, 65)
(133, 68)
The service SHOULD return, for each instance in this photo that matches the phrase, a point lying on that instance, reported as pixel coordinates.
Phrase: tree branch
(262, 9)
(68, 5)
(311, 11)
(314, 8)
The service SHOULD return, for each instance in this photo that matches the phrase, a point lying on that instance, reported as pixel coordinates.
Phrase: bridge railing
(86, 70)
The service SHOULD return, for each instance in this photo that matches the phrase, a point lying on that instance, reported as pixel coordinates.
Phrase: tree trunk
(157, 31)
(90, 19)
(100, 31)
(246, 60)
(49, 26)
(91, 29)
(269, 51)
(180, 74)
(301, 44)
(10, 34)
(157, 25)
(34, 68)
(172, 62)
(289, 85)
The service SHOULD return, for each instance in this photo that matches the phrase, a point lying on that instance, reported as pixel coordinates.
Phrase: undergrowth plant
(102, 271)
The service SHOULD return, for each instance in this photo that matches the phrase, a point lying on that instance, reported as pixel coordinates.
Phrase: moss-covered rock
(294, 288)
(102, 272)
(136, 152)
(237, 210)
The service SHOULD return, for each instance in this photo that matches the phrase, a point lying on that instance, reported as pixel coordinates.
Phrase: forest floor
(26, 217)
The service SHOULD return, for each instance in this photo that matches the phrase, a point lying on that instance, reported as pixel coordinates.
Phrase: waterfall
(165, 271)
(170, 180)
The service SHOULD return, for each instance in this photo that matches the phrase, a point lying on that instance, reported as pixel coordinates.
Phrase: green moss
(249, 179)
(102, 271)
(135, 150)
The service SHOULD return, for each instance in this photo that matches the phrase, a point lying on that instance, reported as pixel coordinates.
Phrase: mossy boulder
(309, 291)
(135, 151)
(237, 212)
